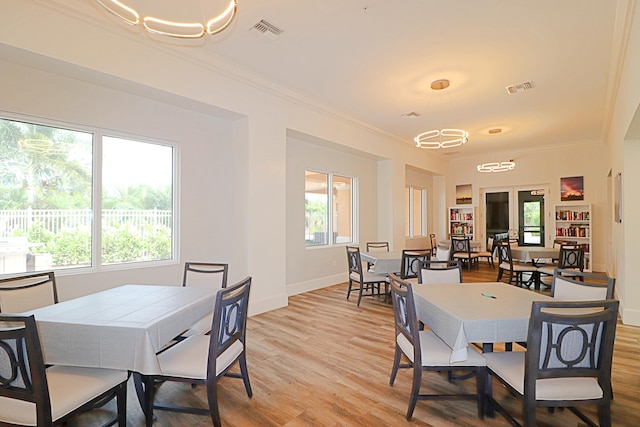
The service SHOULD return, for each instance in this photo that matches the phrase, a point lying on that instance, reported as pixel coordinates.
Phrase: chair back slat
(22, 369)
(377, 246)
(570, 339)
(581, 286)
(412, 259)
(440, 272)
(205, 274)
(25, 292)
(229, 321)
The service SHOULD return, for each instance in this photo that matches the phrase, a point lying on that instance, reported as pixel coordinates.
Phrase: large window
(415, 224)
(329, 215)
(49, 194)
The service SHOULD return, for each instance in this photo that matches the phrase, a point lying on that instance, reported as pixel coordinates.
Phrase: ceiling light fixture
(497, 166)
(441, 138)
(164, 27)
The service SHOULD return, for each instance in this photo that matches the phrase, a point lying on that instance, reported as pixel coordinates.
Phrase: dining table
(383, 262)
(120, 328)
(533, 255)
(485, 313)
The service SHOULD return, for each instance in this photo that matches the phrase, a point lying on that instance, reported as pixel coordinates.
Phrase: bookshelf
(573, 222)
(462, 220)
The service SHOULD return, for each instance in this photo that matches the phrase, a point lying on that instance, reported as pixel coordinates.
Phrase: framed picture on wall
(464, 196)
(572, 188)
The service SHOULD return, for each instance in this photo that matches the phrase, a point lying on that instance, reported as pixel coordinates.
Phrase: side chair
(567, 363)
(376, 247)
(570, 285)
(440, 272)
(424, 351)
(412, 259)
(461, 250)
(25, 292)
(367, 282)
(204, 274)
(34, 395)
(204, 359)
(514, 269)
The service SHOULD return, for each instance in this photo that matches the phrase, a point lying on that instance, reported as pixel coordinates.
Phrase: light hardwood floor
(322, 361)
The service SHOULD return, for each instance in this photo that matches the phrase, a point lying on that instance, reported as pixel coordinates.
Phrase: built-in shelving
(573, 222)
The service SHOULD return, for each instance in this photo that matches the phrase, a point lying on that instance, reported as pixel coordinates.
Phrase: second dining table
(487, 313)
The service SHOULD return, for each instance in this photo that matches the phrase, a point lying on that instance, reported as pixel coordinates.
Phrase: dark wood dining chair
(424, 351)
(34, 395)
(411, 261)
(515, 270)
(434, 272)
(376, 247)
(567, 363)
(461, 250)
(204, 274)
(204, 359)
(367, 282)
(24, 292)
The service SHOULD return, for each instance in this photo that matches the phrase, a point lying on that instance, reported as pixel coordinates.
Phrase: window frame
(97, 193)
(410, 211)
(330, 211)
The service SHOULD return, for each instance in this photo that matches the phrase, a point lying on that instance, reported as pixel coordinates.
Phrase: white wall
(545, 168)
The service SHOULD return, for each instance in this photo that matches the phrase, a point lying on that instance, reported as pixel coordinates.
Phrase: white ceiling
(375, 59)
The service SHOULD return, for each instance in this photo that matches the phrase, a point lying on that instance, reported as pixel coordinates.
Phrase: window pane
(417, 212)
(137, 206)
(45, 197)
(316, 205)
(342, 209)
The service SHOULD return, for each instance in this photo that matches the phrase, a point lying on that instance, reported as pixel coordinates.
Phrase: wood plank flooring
(322, 361)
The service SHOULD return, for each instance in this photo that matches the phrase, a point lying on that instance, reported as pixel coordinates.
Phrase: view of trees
(49, 168)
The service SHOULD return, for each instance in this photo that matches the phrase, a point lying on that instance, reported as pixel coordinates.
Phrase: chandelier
(165, 27)
(497, 166)
(441, 138)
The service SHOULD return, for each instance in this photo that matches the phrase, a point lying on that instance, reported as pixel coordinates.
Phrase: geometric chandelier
(441, 138)
(171, 28)
(496, 166)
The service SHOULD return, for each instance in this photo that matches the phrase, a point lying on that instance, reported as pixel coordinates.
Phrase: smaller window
(415, 212)
(329, 218)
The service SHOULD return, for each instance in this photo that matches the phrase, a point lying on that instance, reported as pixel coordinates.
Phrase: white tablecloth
(530, 253)
(460, 314)
(120, 328)
(385, 262)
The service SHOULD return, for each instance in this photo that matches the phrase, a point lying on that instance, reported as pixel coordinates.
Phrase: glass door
(531, 217)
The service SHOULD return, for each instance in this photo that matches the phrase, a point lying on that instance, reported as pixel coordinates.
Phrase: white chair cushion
(69, 388)
(368, 277)
(509, 366)
(465, 255)
(188, 358)
(547, 269)
(517, 267)
(201, 327)
(436, 352)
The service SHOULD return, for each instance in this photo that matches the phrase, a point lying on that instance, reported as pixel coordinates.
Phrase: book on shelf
(567, 215)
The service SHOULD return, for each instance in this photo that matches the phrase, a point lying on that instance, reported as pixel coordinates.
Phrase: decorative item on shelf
(130, 12)
(497, 166)
(441, 138)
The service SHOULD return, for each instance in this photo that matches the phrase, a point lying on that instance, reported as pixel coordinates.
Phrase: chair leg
(481, 378)
(396, 365)
(349, 288)
(360, 294)
(121, 401)
(244, 372)
(212, 397)
(415, 391)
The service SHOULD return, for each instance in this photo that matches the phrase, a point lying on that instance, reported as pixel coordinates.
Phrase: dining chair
(25, 292)
(424, 351)
(571, 285)
(204, 359)
(434, 244)
(376, 247)
(366, 281)
(515, 270)
(34, 395)
(567, 363)
(461, 250)
(488, 254)
(570, 258)
(411, 261)
(204, 274)
(443, 252)
(440, 272)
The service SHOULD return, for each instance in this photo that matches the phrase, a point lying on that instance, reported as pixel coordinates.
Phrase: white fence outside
(57, 220)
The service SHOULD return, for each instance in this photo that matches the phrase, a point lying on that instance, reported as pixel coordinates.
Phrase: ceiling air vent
(519, 88)
(266, 29)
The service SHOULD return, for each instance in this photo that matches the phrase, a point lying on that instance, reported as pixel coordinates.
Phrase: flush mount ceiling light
(497, 166)
(126, 11)
(441, 138)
